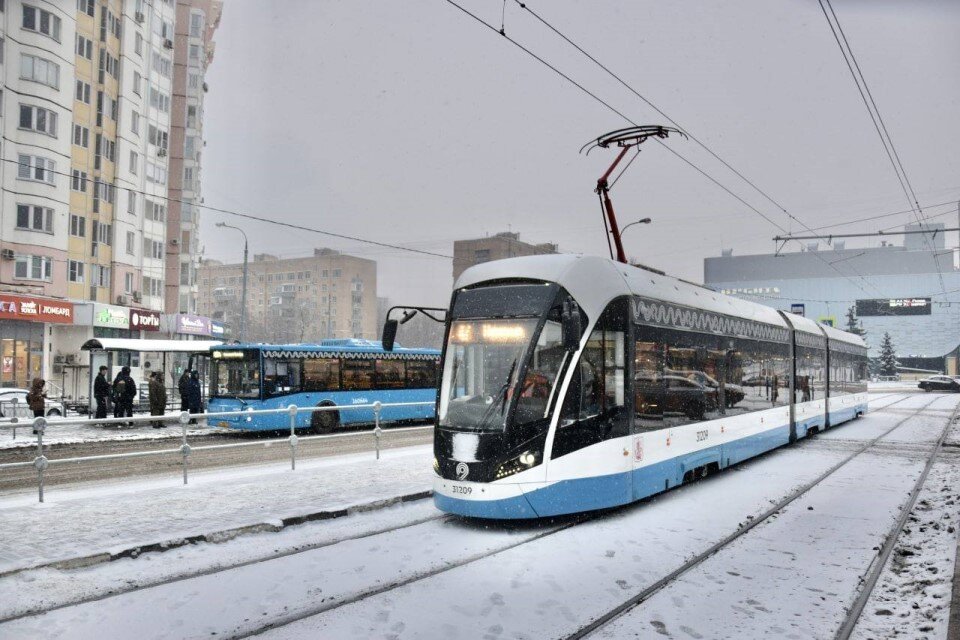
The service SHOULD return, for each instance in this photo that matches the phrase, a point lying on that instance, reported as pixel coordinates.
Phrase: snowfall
(352, 547)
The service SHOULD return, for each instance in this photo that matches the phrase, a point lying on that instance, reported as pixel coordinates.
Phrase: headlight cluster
(524, 461)
(436, 465)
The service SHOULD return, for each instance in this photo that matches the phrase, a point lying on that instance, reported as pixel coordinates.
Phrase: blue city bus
(334, 372)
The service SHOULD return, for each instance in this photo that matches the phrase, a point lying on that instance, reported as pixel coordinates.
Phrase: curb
(223, 535)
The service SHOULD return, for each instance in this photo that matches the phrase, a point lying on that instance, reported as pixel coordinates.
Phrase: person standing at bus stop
(101, 391)
(182, 385)
(124, 391)
(36, 399)
(194, 395)
(158, 398)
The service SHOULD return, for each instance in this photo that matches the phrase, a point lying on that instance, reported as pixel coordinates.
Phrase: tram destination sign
(894, 307)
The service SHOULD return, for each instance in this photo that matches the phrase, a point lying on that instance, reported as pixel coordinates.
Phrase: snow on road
(460, 579)
(57, 434)
(112, 517)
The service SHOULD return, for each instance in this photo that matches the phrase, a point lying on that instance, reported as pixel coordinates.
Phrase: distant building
(326, 295)
(467, 253)
(894, 288)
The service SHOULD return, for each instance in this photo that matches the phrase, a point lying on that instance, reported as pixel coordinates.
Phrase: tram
(574, 383)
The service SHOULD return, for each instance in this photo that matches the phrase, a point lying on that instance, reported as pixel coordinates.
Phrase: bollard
(376, 429)
(185, 448)
(40, 462)
(16, 418)
(293, 436)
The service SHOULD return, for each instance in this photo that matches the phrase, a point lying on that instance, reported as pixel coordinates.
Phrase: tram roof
(594, 282)
(149, 345)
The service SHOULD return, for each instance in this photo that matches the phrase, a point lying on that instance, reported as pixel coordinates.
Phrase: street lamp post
(243, 294)
(640, 221)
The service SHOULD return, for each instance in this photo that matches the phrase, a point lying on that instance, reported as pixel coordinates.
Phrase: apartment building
(325, 295)
(193, 52)
(467, 253)
(86, 113)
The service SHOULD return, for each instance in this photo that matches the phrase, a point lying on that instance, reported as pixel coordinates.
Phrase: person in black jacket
(124, 391)
(194, 395)
(101, 391)
(182, 385)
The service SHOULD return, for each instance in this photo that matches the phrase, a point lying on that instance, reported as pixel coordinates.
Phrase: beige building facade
(291, 300)
(467, 253)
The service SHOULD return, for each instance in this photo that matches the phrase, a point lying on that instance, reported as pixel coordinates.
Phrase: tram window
(390, 374)
(594, 408)
(357, 375)
(281, 377)
(421, 374)
(541, 373)
(321, 374)
(811, 374)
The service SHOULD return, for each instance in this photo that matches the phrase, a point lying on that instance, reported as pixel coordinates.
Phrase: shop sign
(193, 325)
(798, 308)
(35, 309)
(144, 320)
(105, 315)
(217, 330)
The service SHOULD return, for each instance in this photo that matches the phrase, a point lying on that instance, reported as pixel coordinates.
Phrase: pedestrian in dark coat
(36, 397)
(182, 384)
(101, 391)
(194, 395)
(124, 391)
(158, 398)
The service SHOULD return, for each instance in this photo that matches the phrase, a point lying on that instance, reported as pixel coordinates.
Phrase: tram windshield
(492, 362)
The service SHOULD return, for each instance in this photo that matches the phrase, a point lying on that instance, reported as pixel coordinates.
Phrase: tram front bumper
(500, 501)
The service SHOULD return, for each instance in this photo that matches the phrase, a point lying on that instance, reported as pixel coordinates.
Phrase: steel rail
(699, 558)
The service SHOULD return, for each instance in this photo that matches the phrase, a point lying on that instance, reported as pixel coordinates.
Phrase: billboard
(894, 307)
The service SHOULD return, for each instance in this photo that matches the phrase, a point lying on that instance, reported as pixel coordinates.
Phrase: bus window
(421, 374)
(357, 375)
(281, 377)
(321, 374)
(390, 374)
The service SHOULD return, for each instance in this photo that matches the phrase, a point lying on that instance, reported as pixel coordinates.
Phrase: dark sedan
(940, 383)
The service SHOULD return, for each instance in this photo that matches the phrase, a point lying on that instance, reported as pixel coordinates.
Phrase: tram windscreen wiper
(502, 392)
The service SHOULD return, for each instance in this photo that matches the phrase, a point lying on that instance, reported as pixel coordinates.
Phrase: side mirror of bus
(389, 334)
(571, 326)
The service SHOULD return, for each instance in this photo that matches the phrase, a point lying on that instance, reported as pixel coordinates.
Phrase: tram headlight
(522, 462)
(436, 465)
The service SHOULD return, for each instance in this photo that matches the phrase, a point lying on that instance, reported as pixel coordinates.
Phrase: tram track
(639, 598)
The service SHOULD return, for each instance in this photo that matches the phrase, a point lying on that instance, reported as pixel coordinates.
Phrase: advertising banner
(13, 307)
(144, 320)
(111, 317)
(193, 325)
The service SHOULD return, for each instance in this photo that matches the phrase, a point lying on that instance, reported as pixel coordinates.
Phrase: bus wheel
(324, 421)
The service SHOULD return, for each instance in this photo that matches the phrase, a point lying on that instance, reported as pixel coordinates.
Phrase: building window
(84, 47)
(33, 268)
(81, 136)
(159, 100)
(194, 80)
(138, 44)
(157, 137)
(79, 180)
(38, 119)
(481, 255)
(156, 173)
(34, 218)
(195, 52)
(135, 122)
(83, 92)
(137, 78)
(132, 201)
(188, 178)
(155, 211)
(152, 286)
(134, 161)
(152, 249)
(75, 271)
(196, 24)
(337, 273)
(128, 282)
(36, 169)
(162, 64)
(86, 6)
(78, 226)
(131, 242)
(99, 276)
(35, 19)
(39, 70)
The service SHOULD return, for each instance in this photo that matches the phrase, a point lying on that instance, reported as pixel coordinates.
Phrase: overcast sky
(407, 122)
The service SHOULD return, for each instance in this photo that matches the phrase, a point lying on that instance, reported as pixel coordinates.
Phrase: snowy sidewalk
(97, 522)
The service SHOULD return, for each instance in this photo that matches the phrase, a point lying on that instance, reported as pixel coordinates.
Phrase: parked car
(673, 394)
(733, 393)
(940, 383)
(54, 408)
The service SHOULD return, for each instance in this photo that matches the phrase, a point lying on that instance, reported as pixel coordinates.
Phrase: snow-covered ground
(57, 433)
(409, 572)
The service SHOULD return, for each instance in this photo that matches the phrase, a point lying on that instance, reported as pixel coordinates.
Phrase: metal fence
(41, 425)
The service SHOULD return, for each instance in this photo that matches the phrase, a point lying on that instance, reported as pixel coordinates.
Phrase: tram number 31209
(460, 489)
(702, 435)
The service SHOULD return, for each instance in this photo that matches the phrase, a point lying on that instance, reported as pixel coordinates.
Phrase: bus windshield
(236, 374)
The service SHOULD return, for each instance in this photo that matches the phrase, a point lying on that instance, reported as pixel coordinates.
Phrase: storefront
(23, 322)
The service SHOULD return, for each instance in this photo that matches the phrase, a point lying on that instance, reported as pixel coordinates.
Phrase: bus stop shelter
(102, 351)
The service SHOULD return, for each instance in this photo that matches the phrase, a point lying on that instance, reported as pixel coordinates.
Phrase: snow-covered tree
(888, 356)
(854, 325)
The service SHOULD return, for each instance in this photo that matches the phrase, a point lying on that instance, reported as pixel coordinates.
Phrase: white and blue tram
(573, 383)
